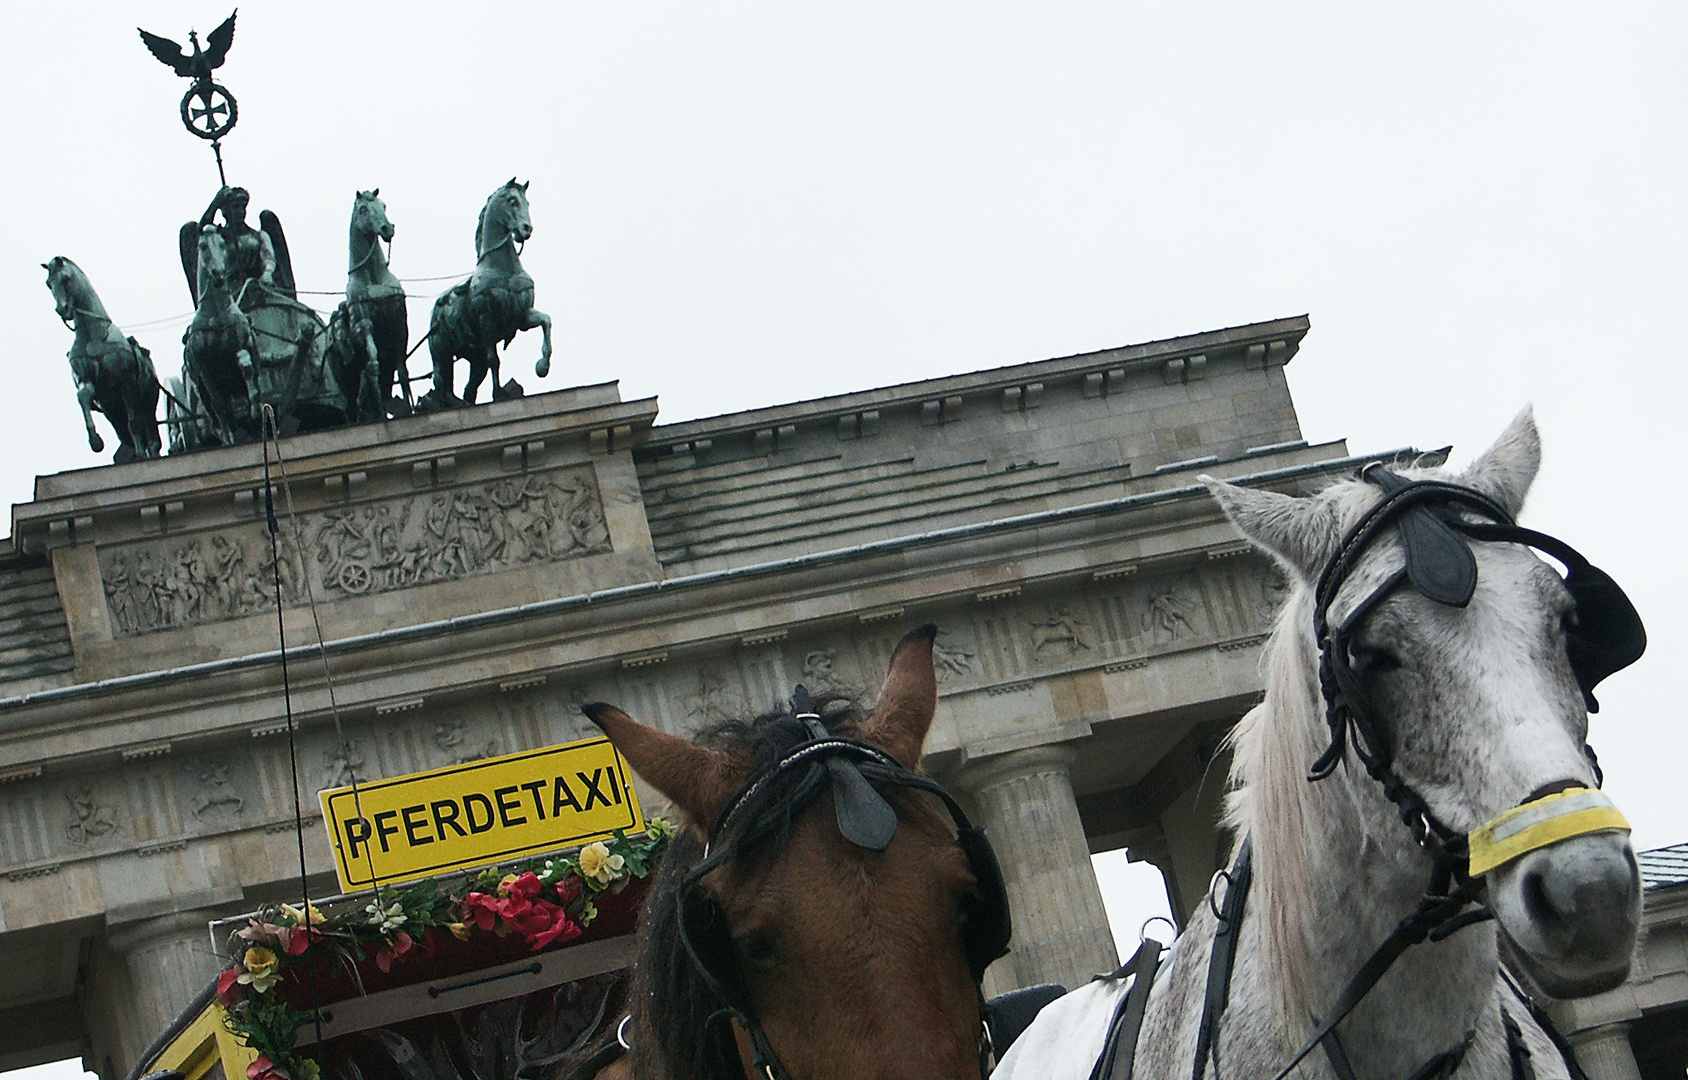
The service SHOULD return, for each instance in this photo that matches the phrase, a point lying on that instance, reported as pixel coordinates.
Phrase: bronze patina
(284, 365)
(370, 330)
(472, 318)
(112, 372)
(208, 109)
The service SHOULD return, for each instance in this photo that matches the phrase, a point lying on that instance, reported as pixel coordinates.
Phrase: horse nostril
(1536, 901)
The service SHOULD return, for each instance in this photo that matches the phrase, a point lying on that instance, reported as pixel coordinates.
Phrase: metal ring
(1421, 832)
(1212, 902)
(620, 1029)
(1143, 931)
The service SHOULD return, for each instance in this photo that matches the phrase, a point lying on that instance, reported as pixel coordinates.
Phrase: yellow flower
(597, 863)
(298, 917)
(260, 961)
(504, 884)
(458, 930)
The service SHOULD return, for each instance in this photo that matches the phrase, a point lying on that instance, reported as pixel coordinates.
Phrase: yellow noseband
(1540, 822)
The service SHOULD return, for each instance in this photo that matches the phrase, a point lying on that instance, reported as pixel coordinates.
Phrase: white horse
(1483, 712)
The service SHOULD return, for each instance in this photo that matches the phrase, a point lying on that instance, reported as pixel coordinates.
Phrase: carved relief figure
(88, 819)
(341, 765)
(452, 736)
(952, 661)
(818, 667)
(1164, 619)
(119, 602)
(357, 550)
(713, 700)
(1062, 627)
(1273, 592)
(214, 791)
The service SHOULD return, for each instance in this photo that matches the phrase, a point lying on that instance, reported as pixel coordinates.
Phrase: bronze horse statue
(113, 373)
(370, 330)
(218, 348)
(285, 338)
(472, 318)
(775, 937)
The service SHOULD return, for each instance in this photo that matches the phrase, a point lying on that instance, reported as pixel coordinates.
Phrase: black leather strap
(864, 817)
(1337, 1055)
(1439, 561)
(1121, 1046)
(1224, 955)
(1431, 913)
(1545, 1022)
(1517, 1052)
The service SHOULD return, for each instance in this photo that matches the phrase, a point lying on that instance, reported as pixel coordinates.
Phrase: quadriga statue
(474, 317)
(113, 373)
(370, 330)
(255, 281)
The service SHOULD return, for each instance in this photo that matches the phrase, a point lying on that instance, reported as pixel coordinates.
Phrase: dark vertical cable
(269, 432)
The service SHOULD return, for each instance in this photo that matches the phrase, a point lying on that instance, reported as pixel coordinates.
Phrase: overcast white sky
(739, 204)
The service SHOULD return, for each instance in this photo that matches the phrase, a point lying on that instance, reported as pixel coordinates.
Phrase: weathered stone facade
(480, 573)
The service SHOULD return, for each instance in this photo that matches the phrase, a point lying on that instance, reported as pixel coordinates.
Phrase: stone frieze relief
(375, 547)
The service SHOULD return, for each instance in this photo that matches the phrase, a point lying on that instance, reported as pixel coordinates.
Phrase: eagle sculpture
(200, 65)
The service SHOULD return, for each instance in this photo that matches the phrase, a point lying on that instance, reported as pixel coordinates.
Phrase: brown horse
(769, 935)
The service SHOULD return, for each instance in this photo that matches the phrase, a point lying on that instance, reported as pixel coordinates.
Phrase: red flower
(386, 954)
(480, 910)
(562, 928)
(229, 990)
(525, 887)
(264, 1069)
(295, 940)
(568, 889)
(512, 908)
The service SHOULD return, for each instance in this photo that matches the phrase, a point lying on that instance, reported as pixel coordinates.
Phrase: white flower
(386, 919)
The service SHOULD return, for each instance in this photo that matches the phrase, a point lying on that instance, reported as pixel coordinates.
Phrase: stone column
(1605, 1054)
(170, 960)
(1061, 934)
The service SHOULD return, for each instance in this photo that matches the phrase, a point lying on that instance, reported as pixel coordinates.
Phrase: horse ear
(374, 193)
(1302, 534)
(1505, 471)
(907, 700)
(697, 780)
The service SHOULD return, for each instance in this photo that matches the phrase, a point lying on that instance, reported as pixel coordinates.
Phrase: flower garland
(541, 901)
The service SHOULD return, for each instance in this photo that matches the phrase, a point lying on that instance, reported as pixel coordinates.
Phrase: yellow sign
(480, 813)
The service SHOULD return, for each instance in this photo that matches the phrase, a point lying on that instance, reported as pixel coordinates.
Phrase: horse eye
(757, 947)
(1373, 660)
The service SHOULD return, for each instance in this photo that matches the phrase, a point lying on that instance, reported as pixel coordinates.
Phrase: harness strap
(1517, 1053)
(1224, 957)
(1545, 1022)
(1432, 912)
(1443, 1065)
(1337, 1055)
(1120, 1048)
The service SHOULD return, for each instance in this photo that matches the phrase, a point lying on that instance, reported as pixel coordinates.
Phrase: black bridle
(852, 769)
(1435, 529)
(1604, 636)
(1434, 523)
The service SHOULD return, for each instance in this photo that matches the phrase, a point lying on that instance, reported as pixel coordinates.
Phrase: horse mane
(678, 1038)
(1270, 797)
